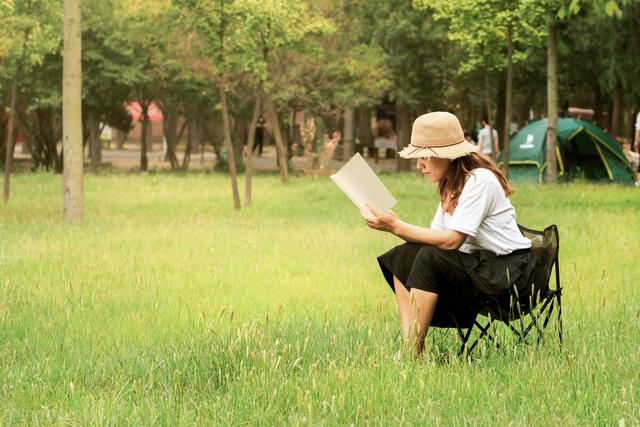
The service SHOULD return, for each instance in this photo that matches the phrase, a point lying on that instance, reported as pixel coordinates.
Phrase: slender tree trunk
(228, 144)
(349, 133)
(257, 111)
(94, 143)
(616, 114)
(364, 128)
(144, 134)
(120, 137)
(273, 118)
(170, 130)
(552, 100)
(186, 159)
(508, 101)
(193, 138)
(72, 112)
(239, 136)
(8, 160)
(404, 135)
(487, 100)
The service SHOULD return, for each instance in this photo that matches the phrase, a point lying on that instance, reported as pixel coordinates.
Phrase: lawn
(167, 307)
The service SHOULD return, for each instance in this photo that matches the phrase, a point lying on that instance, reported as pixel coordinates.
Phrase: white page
(361, 184)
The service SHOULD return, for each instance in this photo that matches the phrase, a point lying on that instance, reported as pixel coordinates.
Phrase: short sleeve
(438, 219)
(475, 202)
(638, 122)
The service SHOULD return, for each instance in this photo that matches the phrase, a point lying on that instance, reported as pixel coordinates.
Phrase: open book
(361, 184)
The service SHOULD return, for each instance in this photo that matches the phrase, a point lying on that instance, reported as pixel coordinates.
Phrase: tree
(72, 112)
(216, 23)
(30, 32)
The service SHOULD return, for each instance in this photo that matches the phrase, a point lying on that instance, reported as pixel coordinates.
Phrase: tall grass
(167, 307)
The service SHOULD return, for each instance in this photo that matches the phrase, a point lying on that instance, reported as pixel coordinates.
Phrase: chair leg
(542, 309)
(464, 339)
(559, 319)
(484, 331)
(546, 320)
(517, 333)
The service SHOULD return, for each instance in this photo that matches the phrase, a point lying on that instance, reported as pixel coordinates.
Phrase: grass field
(166, 307)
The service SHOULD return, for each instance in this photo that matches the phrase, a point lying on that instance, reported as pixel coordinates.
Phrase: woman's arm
(444, 239)
(390, 222)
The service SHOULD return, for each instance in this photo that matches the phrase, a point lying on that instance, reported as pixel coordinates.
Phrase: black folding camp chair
(513, 307)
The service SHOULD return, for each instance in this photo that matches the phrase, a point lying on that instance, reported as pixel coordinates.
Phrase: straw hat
(437, 134)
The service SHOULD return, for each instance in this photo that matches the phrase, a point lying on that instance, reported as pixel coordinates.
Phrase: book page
(361, 184)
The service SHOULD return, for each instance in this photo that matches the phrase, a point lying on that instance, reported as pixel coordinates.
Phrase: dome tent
(582, 147)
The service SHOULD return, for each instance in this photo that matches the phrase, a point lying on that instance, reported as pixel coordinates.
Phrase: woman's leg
(423, 305)
(404, 309)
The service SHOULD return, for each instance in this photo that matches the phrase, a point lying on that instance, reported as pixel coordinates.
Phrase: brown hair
(450, 186)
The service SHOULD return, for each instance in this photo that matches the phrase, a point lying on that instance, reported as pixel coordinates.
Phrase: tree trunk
(487, 100)
(94, 142)
(186, 159)
(72, 112)
(552, 100)
(404, 135)
(120, 137)
(239, 136)
(273, 118)
(228, 144)
(508, 102)
(11, 125)
(349, 133)
(364, 128)
(144, 133)
(170, 130)
(257, 111)
(616, 114)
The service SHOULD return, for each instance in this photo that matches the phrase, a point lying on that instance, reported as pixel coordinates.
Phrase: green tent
(583, 149)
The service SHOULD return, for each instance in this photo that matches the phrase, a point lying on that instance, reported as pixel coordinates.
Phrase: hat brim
(449, 152)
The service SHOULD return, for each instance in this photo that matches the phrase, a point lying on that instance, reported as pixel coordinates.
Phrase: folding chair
(514, 307)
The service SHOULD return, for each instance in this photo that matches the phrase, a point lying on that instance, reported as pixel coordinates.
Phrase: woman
(474, 245)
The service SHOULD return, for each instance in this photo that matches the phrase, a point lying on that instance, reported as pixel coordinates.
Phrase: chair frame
(544, 305)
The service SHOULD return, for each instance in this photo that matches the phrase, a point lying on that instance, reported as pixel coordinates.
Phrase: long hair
(450, 186)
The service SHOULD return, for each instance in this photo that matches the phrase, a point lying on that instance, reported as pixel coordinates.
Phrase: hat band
(438, 146)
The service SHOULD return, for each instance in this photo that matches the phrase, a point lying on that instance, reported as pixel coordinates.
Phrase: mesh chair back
(545, 244)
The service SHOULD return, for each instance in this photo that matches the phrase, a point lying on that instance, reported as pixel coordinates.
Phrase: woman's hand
(384, 221)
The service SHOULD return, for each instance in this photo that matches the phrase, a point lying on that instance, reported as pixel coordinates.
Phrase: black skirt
(459, 278)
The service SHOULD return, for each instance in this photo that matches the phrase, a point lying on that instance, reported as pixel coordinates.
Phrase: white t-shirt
(485, 214)
(483, 135)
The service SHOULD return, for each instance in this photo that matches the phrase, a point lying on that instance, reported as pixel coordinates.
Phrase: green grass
(168, 307)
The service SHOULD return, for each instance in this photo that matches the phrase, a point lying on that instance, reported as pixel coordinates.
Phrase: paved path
(129, 158)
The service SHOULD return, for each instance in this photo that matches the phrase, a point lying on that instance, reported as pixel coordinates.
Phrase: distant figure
(258, 140)
(484, 140)
(106, 134)
(386, 139)
(632, 156)
(329, 148)
(469, 137)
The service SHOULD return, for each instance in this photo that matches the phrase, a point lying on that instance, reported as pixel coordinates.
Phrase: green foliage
(30, 30)
(481, 29)
(418, 57)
